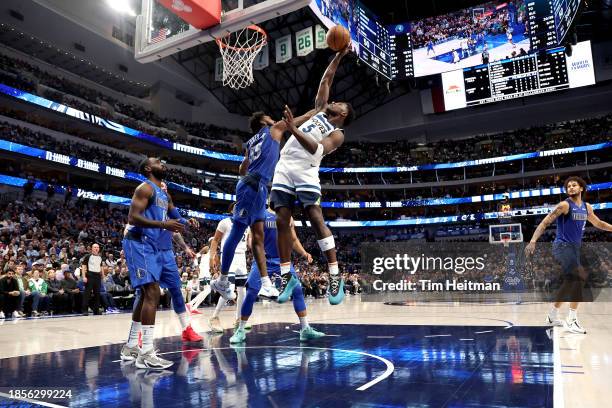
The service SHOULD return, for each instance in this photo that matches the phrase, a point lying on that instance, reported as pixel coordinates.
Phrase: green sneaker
(287, 289)
(238, 337)
(310, 334)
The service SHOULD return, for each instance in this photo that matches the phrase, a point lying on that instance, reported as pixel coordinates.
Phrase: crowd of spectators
(25, 76)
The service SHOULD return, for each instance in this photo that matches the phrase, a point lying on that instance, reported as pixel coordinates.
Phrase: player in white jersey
(203, 262)
(297, 176)
(238, 269)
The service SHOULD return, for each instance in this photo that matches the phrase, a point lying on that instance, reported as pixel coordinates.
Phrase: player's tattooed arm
(244, 166)
(177, 237)
(328, 78)
(561, 209)
(297, 245)
(140, 200)
(595, 221)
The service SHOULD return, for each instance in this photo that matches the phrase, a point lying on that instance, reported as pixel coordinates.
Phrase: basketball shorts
(273, 266)
(147, 264)
(251, 198)
(568, 255)
(295, 182)
(238, 266)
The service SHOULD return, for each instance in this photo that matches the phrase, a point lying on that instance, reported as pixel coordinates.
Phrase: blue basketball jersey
(264, 153)
(157, 210)
(270, 245)
(570, 227)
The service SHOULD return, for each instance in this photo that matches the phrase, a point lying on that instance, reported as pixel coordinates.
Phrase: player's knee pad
(178, 303)
(299, 305)
(327, 243)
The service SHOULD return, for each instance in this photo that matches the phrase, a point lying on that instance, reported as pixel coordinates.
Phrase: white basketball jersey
(205, 266)
(225, 226)
(318, 128)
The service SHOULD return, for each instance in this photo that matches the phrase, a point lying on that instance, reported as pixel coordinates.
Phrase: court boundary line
(558, 398)
(32, 401)
(388, 371)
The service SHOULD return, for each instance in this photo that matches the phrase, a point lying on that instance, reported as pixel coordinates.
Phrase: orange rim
(251, 27)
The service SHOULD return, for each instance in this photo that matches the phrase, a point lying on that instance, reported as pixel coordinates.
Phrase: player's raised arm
(140, 200)
(561, 209)
(328, 78)
(595, 221)
(244, 166)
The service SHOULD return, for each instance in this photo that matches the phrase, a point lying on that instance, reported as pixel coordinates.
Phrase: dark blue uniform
(570, 229)
(148, 251)
(252, 190)
(271, 249)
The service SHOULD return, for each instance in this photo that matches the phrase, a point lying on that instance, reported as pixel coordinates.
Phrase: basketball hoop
(505, 239)
(238, 51)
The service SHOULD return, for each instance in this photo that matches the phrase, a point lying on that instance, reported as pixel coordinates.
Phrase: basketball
(338, 38)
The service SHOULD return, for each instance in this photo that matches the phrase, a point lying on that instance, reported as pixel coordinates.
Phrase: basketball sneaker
(238, 337)
(151, 360)
(215, 325)
(310, 334)
(129, 353)
(190, 335)
(287, 287)
(223, 287)
(2, 315)
(268, 292)
(554, 320)
(574, 327)
(336, 290)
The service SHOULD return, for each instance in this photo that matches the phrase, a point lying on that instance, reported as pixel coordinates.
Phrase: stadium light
(121, 6)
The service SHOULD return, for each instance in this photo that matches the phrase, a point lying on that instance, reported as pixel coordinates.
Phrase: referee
(91, 266)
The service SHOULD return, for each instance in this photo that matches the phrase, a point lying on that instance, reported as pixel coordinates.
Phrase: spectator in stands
(9, 295)
(24, 290)
(59, 299)
(38, 285)
(75, 297)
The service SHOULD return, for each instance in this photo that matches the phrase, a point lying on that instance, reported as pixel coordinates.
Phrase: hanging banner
(262, 60)
(283, 49)
(320, 34)
(303, 42)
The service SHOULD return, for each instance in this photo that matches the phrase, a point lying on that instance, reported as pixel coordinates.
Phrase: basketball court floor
(411, 355)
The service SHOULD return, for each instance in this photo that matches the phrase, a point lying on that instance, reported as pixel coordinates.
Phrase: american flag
(160, 35)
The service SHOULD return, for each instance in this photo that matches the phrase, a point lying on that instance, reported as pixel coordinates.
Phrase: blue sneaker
(287, 289)
(310, 334)
(238, 337)
(335, 290)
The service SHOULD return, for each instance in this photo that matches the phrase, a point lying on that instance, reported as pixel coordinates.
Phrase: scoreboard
(515, 78)
(547, 71)
(564, 12)
(374, 41)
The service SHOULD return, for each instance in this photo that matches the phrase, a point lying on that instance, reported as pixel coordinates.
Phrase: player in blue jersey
(147, 245)
(571, 216)
(257, 169)
(273, 267)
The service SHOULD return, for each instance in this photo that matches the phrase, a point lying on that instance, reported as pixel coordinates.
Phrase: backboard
(504, 234)
(160, 33)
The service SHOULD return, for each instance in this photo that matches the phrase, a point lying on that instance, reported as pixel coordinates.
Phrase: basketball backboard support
(504, 234)
(160, 33)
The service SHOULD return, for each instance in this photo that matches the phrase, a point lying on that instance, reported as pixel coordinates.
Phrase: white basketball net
(238, 51)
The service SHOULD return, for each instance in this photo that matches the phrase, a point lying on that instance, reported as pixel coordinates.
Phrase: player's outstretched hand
(190, 252)
(346, 51)
(173, 225)
(288, 117)
(193, 223)
(308, 257)
(530, 249)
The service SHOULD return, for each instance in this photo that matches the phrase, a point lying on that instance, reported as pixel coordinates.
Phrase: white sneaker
(223, 287)
(2, 315)
(574, 327)
(554, 321)
(151, 360)
(268, 292)
(215, 325)
(16, 315)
